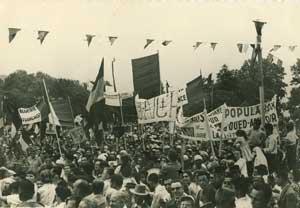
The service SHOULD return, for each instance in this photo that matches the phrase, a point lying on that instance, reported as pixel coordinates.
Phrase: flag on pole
(42, 35)
(53, 119)
(89, 39)
(12, 32)
(166, 42)
(97, 92)
(213, 45)
(292, 48)
(148, 42)
(112, 39)
(197, 44)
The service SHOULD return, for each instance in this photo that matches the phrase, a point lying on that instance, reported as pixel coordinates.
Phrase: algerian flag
(166, 42)
(148, 42)
(12, 33)
(213, 45)
(112, 39)
(197, 44)
(89, 38)
(53, 119)
(42, 35)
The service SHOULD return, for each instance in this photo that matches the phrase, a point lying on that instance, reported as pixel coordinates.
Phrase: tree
(295, 69)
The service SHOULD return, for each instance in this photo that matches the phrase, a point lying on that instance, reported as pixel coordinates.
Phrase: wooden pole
(52, 116)
(222, 130)
(208, 130)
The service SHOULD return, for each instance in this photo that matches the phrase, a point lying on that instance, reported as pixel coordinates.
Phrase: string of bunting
(241, 47)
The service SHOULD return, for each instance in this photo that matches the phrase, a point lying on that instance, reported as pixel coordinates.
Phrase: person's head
(62, 191)
(296, 175)
(117, 199)
(167, 183)
(241, 133)
(237, 154)
(235, 172)
(186, 177)
(153, 180)
(46, 176)
(241, 187)
(116, 181)
(85, 203)
(228, 183)
(269, 128)
(201, 178)
(260, 170)
(218, 176)
(257, 123)
(187, 202)
(225, 198)
(99, 166)
(177, 189)
(72, 202)
(30, 176)
(281, 178)
(290, 126)
(81, 188)
(26, 190)
(139, 194)
(261, 196)
(97, 186)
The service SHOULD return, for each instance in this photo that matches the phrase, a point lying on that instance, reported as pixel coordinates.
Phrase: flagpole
(222, 130)
(52, 116)
(115, 89)
(208, 130)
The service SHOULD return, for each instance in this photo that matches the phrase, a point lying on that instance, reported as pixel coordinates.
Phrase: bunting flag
(292, 48)
(245, 48)
(148, 42)
(42, 35)
(270, 58)
(197, 44)
(279, 62)
(240, 47)
(89, 39)
(275, 48)
(213, 45)
(112, 39)
(166, 42)
(12, 33)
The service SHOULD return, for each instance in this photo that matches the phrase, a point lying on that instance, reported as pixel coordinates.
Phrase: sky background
(64, 53)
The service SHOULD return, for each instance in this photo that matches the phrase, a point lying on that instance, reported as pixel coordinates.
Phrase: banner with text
(160, 108)
(30, 115)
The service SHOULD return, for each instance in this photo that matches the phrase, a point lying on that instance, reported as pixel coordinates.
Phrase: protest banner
(30, 115)
(160, 108)
(243, 117)
(182, 97)
(78, 135)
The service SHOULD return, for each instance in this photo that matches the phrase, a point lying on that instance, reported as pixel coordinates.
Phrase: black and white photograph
(149, 103)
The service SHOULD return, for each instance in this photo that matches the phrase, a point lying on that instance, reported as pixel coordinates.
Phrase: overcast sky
(65, 54)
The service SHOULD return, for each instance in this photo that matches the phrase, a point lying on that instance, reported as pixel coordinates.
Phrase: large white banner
(30, 115)
(160, 108)
(115, 98)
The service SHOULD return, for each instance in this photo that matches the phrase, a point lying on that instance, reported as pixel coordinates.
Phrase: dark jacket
(288, 197)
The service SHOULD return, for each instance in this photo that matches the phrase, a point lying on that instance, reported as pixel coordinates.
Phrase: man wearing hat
(139, 195)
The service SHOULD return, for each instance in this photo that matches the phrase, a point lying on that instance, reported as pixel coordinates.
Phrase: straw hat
(140, 190)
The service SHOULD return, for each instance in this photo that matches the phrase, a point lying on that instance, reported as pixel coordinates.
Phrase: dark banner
(146, 76)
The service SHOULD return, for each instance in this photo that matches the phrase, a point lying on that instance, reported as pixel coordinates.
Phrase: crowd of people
(258, 169)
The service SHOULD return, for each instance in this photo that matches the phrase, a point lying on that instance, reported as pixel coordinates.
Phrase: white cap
(197, 157)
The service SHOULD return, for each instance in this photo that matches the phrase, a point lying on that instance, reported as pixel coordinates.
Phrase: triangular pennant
(270, 58)
(279, 62)
(197, 44)
(292, 48)
(148, 42)
(213, 45)
(112, 39)
(245, 48)
(240, 47)
(42, 35)
(89, 38)
(166, 42)
(275, 48)
(258, 26)
(12, 33)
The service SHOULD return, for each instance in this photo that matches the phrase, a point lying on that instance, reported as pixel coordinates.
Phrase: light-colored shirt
(243, 166)
(160, 193)
(271, 144)
(243, 202)
(13, 200)
(245, 149)
(47, 194)
(291, 138)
